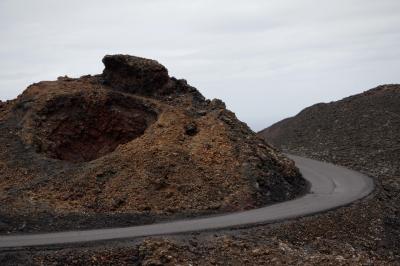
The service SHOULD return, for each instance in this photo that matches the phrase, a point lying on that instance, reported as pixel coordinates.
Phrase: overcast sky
(266, 59)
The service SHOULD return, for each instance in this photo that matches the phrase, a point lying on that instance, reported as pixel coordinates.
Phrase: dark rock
(217, 104)
(160, 183)
(116, 203)
(135, 74)
(191, 129)
(202, 112)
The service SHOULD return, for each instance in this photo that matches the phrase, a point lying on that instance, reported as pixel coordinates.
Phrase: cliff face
(361, 132)
(132, 145)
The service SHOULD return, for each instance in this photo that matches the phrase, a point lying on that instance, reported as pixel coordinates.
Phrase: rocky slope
(365, 127)
(361, 132)
(129, 146)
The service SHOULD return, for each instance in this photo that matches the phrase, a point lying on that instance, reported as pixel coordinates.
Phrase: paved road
(331, 186)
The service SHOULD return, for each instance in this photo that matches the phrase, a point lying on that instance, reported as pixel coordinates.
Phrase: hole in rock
(81, 129)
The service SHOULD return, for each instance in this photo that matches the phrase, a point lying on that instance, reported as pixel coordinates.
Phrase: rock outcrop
(135, 74)
(129, 146)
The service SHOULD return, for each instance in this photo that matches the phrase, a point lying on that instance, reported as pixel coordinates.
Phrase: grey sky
(266, 59)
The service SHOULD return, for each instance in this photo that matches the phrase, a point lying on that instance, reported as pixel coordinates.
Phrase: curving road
(331, 186)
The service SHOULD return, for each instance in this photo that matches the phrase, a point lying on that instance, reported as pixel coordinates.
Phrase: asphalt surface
(331, 187)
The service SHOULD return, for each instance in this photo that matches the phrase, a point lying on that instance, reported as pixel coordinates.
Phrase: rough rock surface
(129, 146)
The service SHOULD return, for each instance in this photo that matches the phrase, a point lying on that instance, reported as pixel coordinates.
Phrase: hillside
(129, 146)
(367, 126)
(361, 132)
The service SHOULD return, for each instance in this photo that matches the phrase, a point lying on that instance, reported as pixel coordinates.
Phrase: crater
(81, 128)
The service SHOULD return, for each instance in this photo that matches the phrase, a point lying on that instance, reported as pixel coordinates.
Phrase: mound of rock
(129, 146)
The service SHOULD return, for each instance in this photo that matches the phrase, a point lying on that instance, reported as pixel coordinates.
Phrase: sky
(267, 60)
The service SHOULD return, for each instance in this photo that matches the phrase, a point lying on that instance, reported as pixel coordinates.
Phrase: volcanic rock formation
(129, 146)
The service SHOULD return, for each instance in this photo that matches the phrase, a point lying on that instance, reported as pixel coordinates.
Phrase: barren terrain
(129, 146)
